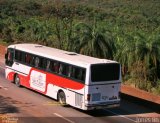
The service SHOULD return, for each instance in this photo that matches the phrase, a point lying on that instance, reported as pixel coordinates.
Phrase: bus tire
(62, 98)
(17, 80)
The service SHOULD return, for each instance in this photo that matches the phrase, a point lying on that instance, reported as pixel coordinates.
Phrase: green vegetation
(127, 31)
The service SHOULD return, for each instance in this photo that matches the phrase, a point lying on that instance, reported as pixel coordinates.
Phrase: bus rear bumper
(101, 106)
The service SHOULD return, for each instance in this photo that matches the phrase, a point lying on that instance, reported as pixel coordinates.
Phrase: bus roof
(60, 55)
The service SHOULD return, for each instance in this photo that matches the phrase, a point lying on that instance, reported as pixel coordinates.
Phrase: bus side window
(73, 72)
(28, 58)
(81, 74)
(63, 69)
(60, 68)
(32, 61)
(23, 58)
(78, 73)
(69, 71)
(40, 64)
(56, 67)
(48, 65)
(43, 63)
(9, 57)
(37, 61)
(17, 55)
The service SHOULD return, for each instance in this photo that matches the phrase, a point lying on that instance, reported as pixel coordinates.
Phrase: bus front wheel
(17, 80)
(62, 98)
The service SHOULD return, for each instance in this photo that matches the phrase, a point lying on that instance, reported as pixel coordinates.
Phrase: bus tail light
(88, 97)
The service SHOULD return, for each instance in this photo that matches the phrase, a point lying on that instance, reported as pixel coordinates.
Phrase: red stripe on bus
(64, 82)
(60, 81)
(50, 79)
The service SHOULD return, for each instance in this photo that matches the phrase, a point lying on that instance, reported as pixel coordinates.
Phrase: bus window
(28, 58)
(23, 58)
(53, 66)
(73, 72)
(78, 73)
(43, 63)
(32, 61)
(48, 65)
(69, 71)
(9, 57)
(37, 61)
(63, 69)
(56, 67)
(83, 74)
(40, 64)
(18, 55)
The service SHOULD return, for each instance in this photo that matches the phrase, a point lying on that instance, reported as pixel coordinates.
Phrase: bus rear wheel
(17, 80)
(62, 98)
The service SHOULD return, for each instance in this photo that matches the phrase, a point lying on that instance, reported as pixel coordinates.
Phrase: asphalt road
(22, 105)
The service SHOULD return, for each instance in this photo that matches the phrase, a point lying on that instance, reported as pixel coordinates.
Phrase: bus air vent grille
(78, 100)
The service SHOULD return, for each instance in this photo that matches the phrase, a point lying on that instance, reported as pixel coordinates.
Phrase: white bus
(81, 81)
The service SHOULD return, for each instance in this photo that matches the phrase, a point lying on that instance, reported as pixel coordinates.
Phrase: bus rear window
(105, 72)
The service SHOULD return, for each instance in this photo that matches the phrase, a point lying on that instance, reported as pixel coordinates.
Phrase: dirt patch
(140, 94)
(6, 105)
(2, 51)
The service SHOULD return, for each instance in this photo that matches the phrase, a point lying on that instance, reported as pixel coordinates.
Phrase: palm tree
(136, 48)
(149, 52)
(94, 41)
(125, 51)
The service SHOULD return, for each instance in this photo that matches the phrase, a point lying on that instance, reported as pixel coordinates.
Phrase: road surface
(22, 105)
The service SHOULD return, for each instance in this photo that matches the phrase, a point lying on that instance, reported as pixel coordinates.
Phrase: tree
(94, 41)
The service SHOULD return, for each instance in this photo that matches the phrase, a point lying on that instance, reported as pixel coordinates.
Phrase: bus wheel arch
(17, 80)
(61, 97)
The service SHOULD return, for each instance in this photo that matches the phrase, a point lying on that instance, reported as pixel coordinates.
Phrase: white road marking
(121, 115)
(4, 88)
(70, 121)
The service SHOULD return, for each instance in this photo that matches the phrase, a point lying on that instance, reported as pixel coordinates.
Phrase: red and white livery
(81, 81)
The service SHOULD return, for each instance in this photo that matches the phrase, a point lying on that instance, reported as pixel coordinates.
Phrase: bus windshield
(105, 72)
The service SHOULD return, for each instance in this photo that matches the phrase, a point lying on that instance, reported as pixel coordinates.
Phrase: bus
(81, 81)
